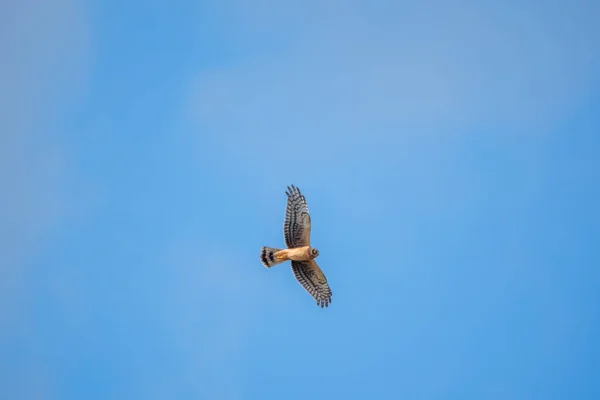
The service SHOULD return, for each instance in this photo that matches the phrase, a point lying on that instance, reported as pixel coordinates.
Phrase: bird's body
(280, 255)
(296, 232)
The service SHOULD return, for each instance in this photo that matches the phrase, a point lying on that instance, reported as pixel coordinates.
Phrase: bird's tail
(267, 256)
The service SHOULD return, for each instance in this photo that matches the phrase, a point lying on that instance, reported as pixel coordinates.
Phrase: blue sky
(448, 152)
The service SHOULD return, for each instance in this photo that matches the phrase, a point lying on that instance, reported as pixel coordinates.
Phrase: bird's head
(314, 252)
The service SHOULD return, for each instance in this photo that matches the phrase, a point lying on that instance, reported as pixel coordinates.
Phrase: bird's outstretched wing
(312, 279)
(296, 227)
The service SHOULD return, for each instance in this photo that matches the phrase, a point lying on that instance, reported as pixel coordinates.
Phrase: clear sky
(449, 153)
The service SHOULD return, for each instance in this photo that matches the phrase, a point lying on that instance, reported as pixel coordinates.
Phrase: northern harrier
(296, 233)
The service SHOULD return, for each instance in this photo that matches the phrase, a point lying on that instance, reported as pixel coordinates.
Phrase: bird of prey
(296, 233)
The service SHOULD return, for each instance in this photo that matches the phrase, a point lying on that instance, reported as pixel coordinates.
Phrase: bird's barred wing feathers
(312, 279)
(296, 227)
